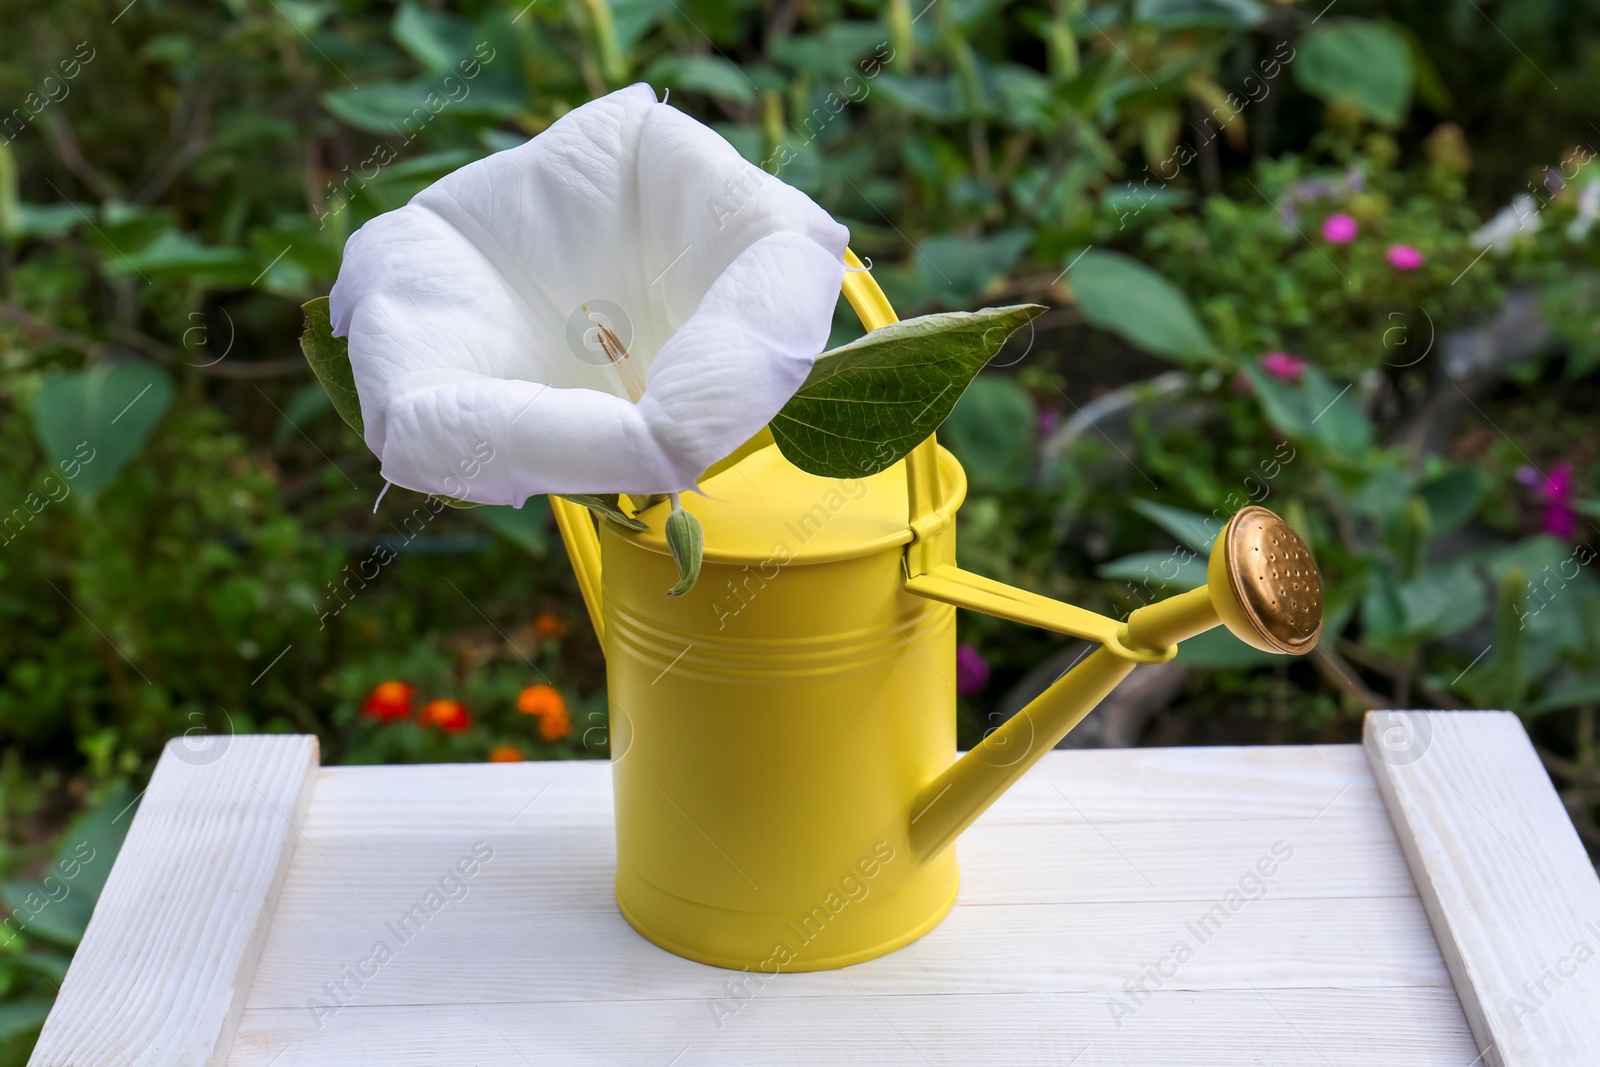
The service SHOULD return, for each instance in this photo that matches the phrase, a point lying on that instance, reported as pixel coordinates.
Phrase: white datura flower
(612, 307)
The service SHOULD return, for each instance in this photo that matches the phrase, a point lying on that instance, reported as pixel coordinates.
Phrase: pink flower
(1049, 419)
(1340, 229)
(1283, 366)
(1555, 492)
(972, 671)
(1560, 517)
(1404, 257)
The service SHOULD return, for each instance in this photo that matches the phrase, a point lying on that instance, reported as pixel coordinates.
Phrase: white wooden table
(1424, 901)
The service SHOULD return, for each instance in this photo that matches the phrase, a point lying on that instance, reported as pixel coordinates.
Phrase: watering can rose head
(612, 307)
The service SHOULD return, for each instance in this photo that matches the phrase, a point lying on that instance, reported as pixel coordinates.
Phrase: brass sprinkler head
(1264, 584)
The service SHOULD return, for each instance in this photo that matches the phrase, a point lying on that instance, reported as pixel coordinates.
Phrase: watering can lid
(764, 509)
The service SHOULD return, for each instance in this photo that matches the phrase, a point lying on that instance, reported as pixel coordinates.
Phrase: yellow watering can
(783, 736)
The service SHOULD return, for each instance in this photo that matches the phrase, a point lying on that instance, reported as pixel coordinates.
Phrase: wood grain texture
(1270, 1028)
(162, 973)
(1512, 896)
(1078, 889)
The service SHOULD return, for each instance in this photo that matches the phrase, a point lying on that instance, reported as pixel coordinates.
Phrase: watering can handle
(922, 470)
(866, 299)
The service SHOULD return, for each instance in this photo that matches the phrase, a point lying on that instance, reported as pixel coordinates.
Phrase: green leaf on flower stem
(607, 507)
(1118, 293)
(329, 357)
(687, 542)
(1365, 63)
(866, 404)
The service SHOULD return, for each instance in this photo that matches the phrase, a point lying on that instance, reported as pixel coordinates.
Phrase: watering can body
(771, 727)
(787, 786)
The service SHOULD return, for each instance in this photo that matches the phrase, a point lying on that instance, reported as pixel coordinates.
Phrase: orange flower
(389, 701)
(554, 726)
(541, 700)
(547, 703)
(549, 626)
(506, 754)
(450, 716)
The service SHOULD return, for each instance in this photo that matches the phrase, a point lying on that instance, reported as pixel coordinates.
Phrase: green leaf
(991, 431)
(329, 357)
(607, 507)
(632, 19)
(933, 98)
(1193, 529)
(1501, 679)
(1118, 293)
(527, 526)
(1452, 499)
(1570, 696)
(436, 39)
(1179, 14)
(18, 1017)
(95, 421)
(867, 404)
(955, 269)
(1364, 63)
(832, 54)
(309, 401)
(1316, 408)
(180, 255)
(1441, 602)
(1219, 650)
(58, 906)
(1161, 568)
(1561, 597)
(406, 108)
(41, 911)
(47, 220)
(1383, 616)
(93, 840)
(702, 74)
(687, 542)
(50, 963)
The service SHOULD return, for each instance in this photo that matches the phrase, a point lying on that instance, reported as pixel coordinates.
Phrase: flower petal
(739, 358)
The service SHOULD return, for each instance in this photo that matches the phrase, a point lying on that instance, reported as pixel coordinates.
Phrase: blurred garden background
(1337, 258)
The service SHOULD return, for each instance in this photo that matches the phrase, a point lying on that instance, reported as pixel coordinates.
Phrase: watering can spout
(1261, 583)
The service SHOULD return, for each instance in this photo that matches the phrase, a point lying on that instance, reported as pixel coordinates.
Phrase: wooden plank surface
(1269, 1028)
(161, 976)
(1077, 889)
(1512, 896)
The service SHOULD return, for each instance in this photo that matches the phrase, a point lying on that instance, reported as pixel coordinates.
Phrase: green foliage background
(176, 178)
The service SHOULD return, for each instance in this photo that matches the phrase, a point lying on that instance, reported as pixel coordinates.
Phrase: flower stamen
(620, 358)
